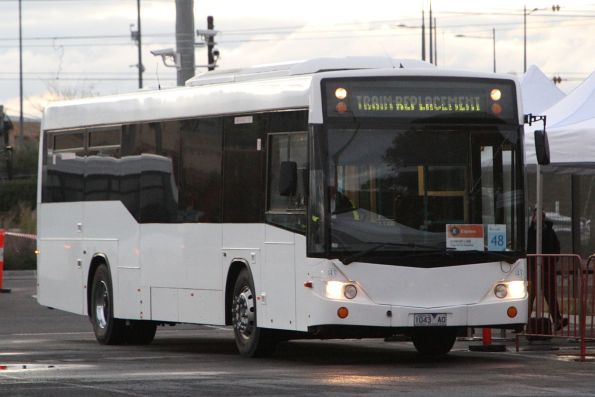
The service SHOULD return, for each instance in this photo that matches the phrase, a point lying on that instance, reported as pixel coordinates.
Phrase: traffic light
(211, 43)
(5, 126)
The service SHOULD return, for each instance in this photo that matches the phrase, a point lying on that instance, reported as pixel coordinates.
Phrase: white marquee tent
(569, 181)
(570, 127)
(539, 92)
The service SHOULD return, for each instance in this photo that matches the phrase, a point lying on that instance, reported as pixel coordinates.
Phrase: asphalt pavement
(47, 352)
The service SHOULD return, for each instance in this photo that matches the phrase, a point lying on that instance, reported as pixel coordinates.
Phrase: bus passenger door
(285, 217)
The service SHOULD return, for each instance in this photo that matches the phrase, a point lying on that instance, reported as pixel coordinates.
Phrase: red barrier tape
(22, 235)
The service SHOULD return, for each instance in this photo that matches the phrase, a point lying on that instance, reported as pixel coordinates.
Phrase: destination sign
(415, 98)
(409, 103)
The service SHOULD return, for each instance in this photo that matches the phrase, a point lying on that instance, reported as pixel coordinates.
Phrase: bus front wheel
(108, 330)
(251, 340)
(434, 341)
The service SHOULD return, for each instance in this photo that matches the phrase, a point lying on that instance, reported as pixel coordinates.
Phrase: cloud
(264, 31)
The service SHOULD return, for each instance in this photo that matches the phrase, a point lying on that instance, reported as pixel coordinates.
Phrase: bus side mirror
(542, 147)
(288, 178)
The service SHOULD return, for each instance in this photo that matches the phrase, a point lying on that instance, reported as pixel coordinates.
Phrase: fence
(566, 288)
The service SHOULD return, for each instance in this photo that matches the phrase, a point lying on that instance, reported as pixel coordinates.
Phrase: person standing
(550, 245)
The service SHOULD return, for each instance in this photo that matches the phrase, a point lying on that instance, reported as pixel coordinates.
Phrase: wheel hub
(243, 313)
(101, 304)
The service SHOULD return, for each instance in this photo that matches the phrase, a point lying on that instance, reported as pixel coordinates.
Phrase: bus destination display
(414, 99)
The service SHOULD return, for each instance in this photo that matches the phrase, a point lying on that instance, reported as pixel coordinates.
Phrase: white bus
(330, 198)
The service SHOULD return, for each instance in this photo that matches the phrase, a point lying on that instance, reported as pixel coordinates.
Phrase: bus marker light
(341, 93)
(496, 108)
(341, 107)
(342, 312)
(308, 284)
(512, 312)
(496, 94)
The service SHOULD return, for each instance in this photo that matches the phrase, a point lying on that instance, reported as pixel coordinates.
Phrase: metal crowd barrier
(562, 305)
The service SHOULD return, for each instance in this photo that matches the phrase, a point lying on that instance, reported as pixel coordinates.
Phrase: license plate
(429, 320)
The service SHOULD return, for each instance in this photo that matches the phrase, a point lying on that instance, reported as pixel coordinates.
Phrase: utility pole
(138, 41)
(555, 8)
(185, 39)
(5, 149)
(423, 35)
(136, 36)
(525, 39)
(494, 47)
(21, 119)
(431, 35)
(435, 43)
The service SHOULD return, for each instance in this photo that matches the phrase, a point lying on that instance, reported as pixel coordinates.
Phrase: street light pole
(525, 39)
(423, 36)
(494, 47)
(140, 54)
(555, 8)
(493, 38)
(21, 120)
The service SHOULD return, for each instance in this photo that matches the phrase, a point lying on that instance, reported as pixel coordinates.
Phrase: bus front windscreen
(419, 195)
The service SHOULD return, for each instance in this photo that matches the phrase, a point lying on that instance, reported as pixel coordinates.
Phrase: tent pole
(538, 241)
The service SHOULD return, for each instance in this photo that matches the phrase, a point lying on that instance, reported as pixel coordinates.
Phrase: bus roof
(261, 88)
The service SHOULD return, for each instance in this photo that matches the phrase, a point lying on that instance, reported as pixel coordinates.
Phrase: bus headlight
(511, 290)
(501, 290)
(340, 290)
(350, 291)
(517, 289)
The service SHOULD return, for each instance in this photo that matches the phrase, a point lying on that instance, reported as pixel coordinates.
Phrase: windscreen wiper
(494, 255)
(377, 246)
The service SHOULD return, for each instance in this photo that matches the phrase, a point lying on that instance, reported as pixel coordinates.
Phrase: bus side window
(284, 208)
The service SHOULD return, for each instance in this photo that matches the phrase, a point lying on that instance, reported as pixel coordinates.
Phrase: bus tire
(140, 332)
(108, 330)
(434, 341)
(251, 340)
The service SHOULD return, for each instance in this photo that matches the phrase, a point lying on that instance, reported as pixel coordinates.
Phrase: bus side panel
(60, 275)
(244, 243)
(277, 278)
(181, 265)
(303, 272)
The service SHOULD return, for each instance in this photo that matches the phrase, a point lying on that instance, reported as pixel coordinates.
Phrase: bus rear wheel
(108, 330)
(251, 340)
(434, 341)
(139, 332)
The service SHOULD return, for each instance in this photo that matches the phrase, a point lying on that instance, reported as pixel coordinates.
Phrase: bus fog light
(501, 291)
(350, 291)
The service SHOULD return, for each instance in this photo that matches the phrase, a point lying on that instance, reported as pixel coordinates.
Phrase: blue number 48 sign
(496, 237)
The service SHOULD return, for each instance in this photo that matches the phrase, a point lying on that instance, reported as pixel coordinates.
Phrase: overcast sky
(83, 47)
